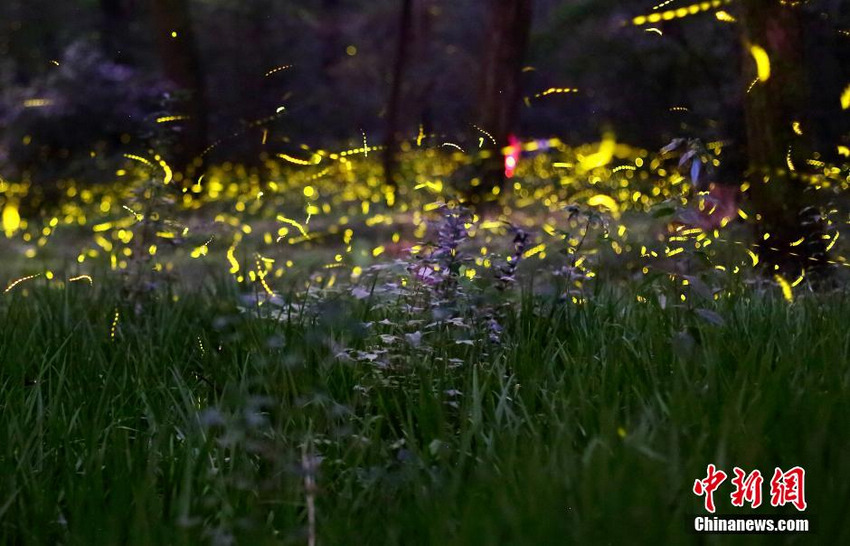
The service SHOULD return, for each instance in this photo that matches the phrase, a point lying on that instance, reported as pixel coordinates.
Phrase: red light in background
(512, 153)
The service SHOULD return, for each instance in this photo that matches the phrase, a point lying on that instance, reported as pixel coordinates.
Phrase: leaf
(695, 170)
(664, 210)
(711, 316)
(687, 156)
(683, 344)
(414, 339)
(675, 143)
(360, 293)
(699, 287)
(690, 217)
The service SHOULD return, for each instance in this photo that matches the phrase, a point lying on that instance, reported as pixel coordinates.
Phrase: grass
(207, 419)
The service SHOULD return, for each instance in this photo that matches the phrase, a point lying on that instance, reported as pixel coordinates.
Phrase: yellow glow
(11, 219)
(787, 293)
(762, 62)
(754, 257)
(602, 157)
(605, 201)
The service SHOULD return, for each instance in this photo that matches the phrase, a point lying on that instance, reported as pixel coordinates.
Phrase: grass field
(201, 417)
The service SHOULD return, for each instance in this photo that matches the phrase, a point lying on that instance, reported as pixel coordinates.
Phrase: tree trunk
(329, 34)
(115, 28)
(394, 105)
(500, 91)
(181, 64)
(783, 204)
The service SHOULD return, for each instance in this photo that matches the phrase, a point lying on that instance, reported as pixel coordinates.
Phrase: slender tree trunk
(829, 71)
(395, 101)
(115, 27)
(779, 196)
(329, 33)
(182, 65)
(500, 91)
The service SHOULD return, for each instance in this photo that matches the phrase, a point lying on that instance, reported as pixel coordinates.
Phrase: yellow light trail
(16, 282)
(678, 13)
(293, 223)
(261, 276)
(140, 159)
(493, 140)
(234, 264)
(453, 145)
(753, 84)
(725, 16)
(114, 327)
(605, 201)
(556, 91)
(37, 103)
(832, 243)
(315, 160)
(602, 157)
(82, 278)
(787, 293)
(762, 62)
(278, 69)
(169, 119)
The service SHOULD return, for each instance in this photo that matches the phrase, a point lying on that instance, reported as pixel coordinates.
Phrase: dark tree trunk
(395, 101)
(330, 36)
(182, 65)
(115, 29)
(500, 91)
(828, 53)
(778, 195)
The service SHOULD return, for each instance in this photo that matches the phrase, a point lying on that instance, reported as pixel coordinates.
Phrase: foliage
(75, 119)
(198, 422)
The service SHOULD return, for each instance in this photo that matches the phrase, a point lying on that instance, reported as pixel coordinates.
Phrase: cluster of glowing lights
(678, 13)
(337, 203)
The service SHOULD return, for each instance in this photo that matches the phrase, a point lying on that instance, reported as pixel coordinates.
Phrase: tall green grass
(203, 422)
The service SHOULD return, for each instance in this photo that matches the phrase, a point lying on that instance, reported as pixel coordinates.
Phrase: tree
(394, 104)
(500, 91)
(115, 27)
(772, 37)
(181, 63)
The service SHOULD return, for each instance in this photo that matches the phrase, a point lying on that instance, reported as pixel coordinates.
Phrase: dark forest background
(110, 68)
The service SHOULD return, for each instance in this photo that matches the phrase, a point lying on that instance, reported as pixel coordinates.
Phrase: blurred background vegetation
(110, 68)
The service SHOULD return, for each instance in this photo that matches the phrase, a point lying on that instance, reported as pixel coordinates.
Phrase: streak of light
(16, 282)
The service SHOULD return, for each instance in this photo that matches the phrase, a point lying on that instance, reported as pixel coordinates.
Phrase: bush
(70, 121)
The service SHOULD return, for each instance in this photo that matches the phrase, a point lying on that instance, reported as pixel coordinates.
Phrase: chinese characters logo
(785, 487)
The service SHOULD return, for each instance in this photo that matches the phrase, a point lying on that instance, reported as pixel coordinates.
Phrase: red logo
(709, 485)
(747, 488)
(788, 487)
(785, 487)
